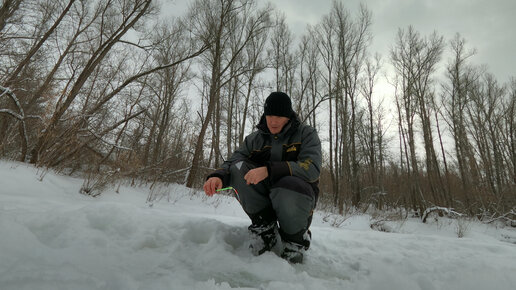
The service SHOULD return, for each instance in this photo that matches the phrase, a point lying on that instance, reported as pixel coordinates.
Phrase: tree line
(112, 89)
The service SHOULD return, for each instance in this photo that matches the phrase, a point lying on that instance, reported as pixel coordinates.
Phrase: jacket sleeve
(308, 165)
(241, 153)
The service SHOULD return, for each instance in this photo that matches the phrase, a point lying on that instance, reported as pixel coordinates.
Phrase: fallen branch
(441, 211)
(509, 218)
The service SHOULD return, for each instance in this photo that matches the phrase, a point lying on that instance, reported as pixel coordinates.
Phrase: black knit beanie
(278, 104)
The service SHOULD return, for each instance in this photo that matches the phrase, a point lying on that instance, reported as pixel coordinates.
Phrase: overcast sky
(489, 26)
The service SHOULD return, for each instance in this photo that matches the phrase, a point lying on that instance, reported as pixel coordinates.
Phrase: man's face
(276, 123)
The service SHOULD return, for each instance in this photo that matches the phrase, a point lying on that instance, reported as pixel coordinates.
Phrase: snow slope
(51, 237)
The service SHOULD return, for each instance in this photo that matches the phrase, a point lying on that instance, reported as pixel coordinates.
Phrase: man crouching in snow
(276, 174)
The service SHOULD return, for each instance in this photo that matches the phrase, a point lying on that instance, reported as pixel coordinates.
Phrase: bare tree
(307, 96)
(342, 42)
(95, 77)
(281, 56)
(109, 36)
(25, 52)
(427, 58)
(210, 20)
(353, 40)
(373, 141)
(511, 127)
(485, 115)
(255, 60)
(7, 10)
(37, 45)
(461, 78)
(326, 46)
(170, 46)
(403, 59)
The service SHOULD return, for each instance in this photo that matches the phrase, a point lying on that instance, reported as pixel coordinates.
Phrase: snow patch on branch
(12, 113)
(441, 211)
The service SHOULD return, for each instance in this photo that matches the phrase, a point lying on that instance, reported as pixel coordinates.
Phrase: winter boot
(293, 253)
(263, 238)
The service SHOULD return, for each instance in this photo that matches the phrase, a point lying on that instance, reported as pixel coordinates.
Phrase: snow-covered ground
(52, 237)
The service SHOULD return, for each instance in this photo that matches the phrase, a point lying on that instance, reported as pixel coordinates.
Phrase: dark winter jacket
(295, 151)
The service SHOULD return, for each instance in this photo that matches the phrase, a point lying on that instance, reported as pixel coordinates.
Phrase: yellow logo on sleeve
(305, 164)
(291, 149)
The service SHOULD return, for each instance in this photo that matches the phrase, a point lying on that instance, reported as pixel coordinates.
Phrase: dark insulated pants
(290, 201)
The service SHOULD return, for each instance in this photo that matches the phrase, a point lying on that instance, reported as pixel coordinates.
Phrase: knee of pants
(253, 198)
(292, 205)
(293, 208)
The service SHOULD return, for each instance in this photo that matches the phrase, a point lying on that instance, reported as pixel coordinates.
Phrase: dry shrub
(96, 182)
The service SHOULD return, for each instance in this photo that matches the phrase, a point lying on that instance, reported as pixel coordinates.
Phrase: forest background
(114, 90)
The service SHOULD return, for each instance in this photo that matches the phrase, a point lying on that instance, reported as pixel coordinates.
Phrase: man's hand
(254, 176)
(211, 185)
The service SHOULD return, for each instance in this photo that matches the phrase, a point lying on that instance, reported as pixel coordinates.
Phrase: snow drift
(52, 237)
